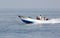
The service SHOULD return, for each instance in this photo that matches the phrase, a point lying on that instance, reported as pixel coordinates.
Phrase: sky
(29, 3)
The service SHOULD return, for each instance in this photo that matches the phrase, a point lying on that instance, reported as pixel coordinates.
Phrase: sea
(12, 27)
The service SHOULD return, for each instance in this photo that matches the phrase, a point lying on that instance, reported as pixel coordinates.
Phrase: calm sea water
(12, 27)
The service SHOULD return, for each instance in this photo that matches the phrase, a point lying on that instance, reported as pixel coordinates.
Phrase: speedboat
(29, 20)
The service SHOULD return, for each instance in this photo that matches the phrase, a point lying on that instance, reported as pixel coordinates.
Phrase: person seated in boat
(45, 18)
(39, 17)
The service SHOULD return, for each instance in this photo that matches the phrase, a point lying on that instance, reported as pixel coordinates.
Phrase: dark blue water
(12, 27)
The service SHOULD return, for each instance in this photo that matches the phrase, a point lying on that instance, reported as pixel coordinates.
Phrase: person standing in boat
(45, 18)
(39, 17)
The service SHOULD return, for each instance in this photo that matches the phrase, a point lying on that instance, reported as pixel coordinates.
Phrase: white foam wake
(57, 20)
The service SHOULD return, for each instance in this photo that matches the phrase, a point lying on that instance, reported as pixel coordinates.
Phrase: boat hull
(27, 22)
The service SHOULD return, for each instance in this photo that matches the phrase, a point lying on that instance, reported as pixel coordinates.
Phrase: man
(45, 18)
(39, 17)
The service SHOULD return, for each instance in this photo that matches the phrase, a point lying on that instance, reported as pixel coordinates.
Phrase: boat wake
(51, 21)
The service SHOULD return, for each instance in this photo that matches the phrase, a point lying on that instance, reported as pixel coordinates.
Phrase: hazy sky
(29, 3)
